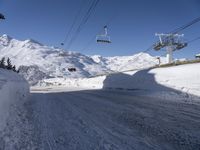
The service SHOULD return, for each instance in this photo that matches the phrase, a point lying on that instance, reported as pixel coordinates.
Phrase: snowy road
(106, 120)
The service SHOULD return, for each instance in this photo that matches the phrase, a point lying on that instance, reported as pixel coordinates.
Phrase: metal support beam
(171, 42)
(169, 56)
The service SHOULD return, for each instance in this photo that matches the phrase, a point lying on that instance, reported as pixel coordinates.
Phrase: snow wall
(184, 78)
(14, 90)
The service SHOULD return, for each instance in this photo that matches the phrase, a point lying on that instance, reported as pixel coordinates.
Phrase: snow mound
(183, 78)
(14, 89)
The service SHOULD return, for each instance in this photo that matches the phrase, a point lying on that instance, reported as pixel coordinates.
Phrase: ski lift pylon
(103, 38)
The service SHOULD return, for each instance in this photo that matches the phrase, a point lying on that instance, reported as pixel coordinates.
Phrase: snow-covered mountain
(124, 63)
(37, 61)
(49, 61)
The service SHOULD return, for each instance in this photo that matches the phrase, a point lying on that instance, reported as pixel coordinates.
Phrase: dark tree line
(6, 64)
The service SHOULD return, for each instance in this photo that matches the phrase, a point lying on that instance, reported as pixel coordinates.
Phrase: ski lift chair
(103, 38)
(181, 45)
(72, 69)
(158, 46)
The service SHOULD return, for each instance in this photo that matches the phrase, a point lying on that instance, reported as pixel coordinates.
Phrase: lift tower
(171, 42)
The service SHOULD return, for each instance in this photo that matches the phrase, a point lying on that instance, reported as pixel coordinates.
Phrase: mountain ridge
(32, 58)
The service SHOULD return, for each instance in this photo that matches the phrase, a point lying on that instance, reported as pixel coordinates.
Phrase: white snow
(37, 61)
(197, 55)
(13, 90)
(49, 61)
(185, 78)
(124, 63)
(118, 110)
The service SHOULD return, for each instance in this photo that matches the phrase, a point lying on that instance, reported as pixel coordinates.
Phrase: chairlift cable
(84, 20)
(195, 39)
(107, 24)
(185, 26)
(176, 31)
(73, 23)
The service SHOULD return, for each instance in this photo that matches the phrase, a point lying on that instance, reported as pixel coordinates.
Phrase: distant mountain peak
(33, 41)
(5, 37)
(49, 62)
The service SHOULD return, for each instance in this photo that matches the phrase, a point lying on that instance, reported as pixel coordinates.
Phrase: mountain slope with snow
(37, 61)
(123, 63)
(49, 60)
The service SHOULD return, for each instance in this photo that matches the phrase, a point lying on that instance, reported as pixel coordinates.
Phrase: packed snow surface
(13, 90)
(105, 119)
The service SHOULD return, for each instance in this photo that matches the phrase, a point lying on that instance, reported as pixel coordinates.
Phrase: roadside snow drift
(13, 90)
(185, 78)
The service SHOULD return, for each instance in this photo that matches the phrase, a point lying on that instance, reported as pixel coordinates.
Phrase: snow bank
(13, 90)
(184, 78)
(86, 83)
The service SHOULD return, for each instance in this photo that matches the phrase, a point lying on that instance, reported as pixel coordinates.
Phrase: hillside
(123, 63)
(47, 61)
(37, 61)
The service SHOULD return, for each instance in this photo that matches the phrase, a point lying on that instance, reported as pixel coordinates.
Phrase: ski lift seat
(158, 46)
(103, 41)
(2, 16)
(181, 45)
(103, 38)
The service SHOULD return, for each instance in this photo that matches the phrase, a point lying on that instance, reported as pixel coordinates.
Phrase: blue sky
(132, 28)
